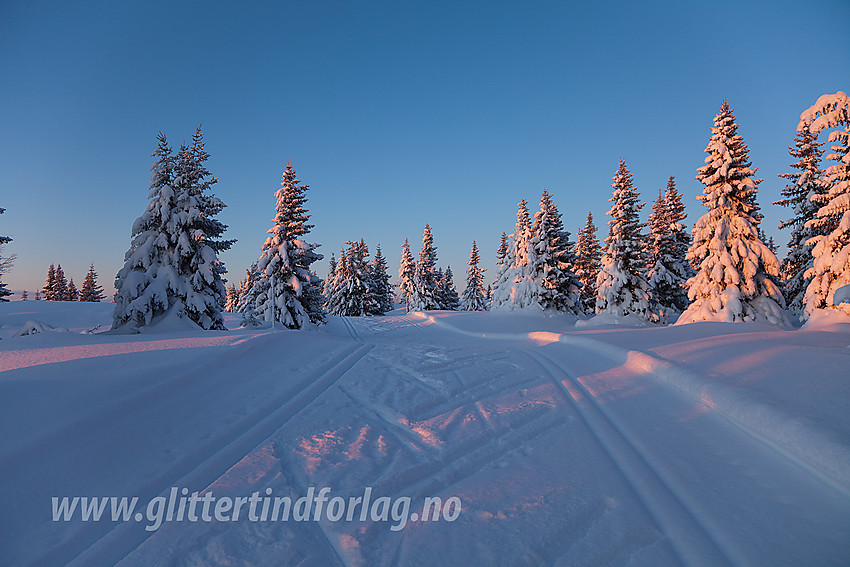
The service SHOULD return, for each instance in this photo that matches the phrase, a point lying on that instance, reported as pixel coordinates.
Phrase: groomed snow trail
(564, 448)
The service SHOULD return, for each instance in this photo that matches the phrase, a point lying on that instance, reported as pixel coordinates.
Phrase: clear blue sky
(395, 113)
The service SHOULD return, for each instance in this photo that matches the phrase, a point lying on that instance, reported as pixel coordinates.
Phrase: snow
(568, 444)
(842, 295)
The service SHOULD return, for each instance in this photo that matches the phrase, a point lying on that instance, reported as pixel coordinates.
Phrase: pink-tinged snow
(702, 444)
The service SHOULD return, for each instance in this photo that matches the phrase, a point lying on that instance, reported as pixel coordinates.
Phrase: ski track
(211, 461)
(667, 510)
(435, 467)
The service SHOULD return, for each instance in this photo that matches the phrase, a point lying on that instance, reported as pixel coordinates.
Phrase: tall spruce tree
(425, 281)
(588, 262)
(231, 298)
(48, 292)
(5, 264)
(350, 294)
(288, 292)
(72, 293)
(446, 292)
(552, 262)
(379, 283)
(511, 283)
(60, 284)
(621, 288)
(406, 275)
(734, 267)
(90, 290)
(831, 252)
(669, 243)
(803, 195)
(247, 291)
(474, 296)
(172, 266)
(327, 280)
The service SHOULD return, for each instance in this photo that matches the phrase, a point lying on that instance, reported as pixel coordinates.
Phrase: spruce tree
(172, 266)
(23, 296)
(350, 295)
(425, 281)
(90, 290)
(60, 285)
(379, 283)
(72, 293)
(48, 292)
(552, 263)
(474, 296)
(734, 267)
(331, 270)
(5, 264)
(448, 297)
(621, 288)
(510, 288)
(335, 285)
(669, 243)
(588, 262)
(501, 259)
(831, 246)
(288, 292)
(247, 291)
(802, 196)
(231, 299)
(406, 275)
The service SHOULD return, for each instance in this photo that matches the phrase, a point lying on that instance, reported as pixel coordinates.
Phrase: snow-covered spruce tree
(60, 285)
(247, 290)
(349, 293)
(447, 293)
(509, 290)
(335, 283)
(72, 293)
(803, 196)
(621, 288)
(669, 243)
(406, 275)
(90, 291)
(474, 296)
(553, 260)
(831, 249)
(588, 263)
(172, 266)
(733, 265)
(24, 296)
(379, 283)
(5, 264)
(231, 298)
(327, 281)
(501, 260)
(47, 292)
(424, 296)
(288, 292)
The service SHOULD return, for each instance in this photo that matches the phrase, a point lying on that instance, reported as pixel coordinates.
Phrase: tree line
(722, 269)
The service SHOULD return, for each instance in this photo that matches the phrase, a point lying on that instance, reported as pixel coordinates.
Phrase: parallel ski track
(666, 508)
(351, 330)
(207, 463)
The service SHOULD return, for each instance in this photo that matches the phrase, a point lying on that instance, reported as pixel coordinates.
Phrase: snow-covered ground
(702, 444)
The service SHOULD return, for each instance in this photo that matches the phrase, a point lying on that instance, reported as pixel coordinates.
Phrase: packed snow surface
(702, 444)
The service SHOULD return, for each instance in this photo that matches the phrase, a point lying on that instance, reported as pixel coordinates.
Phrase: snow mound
(841, 295)
(826, 320)
(610, 319)
(36, 327)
